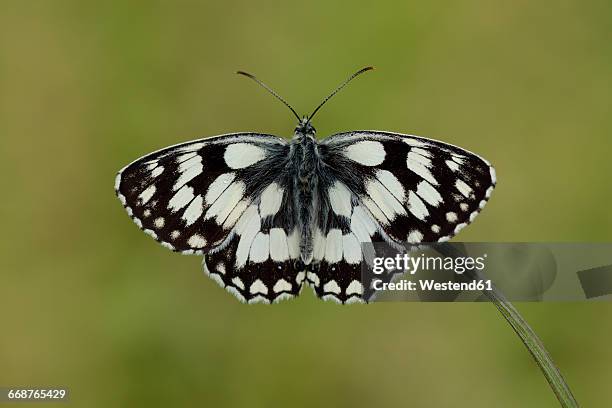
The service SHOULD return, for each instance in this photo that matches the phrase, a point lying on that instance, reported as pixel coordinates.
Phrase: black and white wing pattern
(394, 188)
(342, 226)
(221, 196)
(260, 261)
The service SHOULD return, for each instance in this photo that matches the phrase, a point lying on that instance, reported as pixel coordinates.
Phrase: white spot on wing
(367, 152)
(318, 244)
(259, 299)
(271, 199)
(415, 236)
(313, 278)
(299, 278)
(260, 248)
(278, 245)
(151, 233)
(167, 245)
(392, 184)
(332, 286)
(340, 199)
(217, 187)
(421, 151)
(238, 282)
(146, 195)
(429, 193)
(157, 171)
(241, 155)
(258, 287)
(196, 241)
(226, 202)
(351, 249)
(458, 159)
(419, 165)
(362, 225)
(281, 286)
(293, 243)
(181, 198)
(375, 210)
(159, 222)
(452, 165)
(152, 164)
(354, 288)
(493, 175)
(233, 217)
(333, 246)
(185, 157)
(387, 203)
(188, 170)
(247, 227)
(418, 158)
(191, 147)
(413, 142)
(459, 227)
(416, 206)
(451, 217)
(463, 188)
(193, 211)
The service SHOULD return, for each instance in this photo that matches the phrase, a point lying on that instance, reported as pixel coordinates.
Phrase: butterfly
(272, 215)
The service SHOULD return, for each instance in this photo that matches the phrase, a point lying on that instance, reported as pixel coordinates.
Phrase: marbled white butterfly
(271, 215)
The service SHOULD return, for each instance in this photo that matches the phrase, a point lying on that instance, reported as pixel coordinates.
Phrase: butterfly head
(304, 127)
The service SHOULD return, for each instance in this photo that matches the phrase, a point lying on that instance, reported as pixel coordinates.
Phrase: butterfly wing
(225, 196)
(260, 262)
(189, 196)
(418, 190)
(342, 226)
(394, 188)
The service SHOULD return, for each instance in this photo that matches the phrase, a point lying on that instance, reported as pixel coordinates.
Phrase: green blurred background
(89, 302)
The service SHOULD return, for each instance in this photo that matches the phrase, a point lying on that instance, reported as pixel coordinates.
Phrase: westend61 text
(432, 285)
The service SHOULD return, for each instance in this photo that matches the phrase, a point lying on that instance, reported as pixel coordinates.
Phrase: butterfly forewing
(190, 196)
(417, 190)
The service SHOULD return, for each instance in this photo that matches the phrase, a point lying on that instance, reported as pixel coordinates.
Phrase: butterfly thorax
(306, 161)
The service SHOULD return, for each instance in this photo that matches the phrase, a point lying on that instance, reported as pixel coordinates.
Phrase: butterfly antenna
(361, 71)
(267, 88)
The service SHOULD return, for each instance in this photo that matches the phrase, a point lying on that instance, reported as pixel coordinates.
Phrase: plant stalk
(533, 343)
(529, 338)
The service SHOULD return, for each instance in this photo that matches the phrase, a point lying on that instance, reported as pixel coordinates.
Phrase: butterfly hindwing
(347, 238)
(260, 262)
(190, 196)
